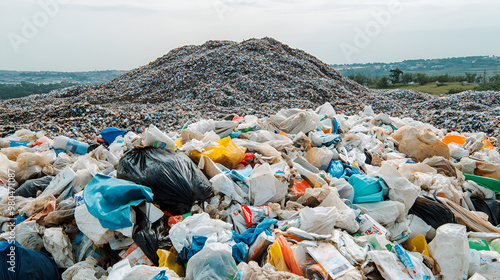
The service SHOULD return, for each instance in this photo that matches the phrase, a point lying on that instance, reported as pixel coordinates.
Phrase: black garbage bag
(31, 187)
(19, 263)
(432, 211)
(175, 180)
(151, 236)
(489, 206)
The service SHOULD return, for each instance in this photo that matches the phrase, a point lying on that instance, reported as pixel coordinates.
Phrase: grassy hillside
(437, 88)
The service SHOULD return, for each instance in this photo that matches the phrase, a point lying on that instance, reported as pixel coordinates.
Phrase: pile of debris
(219, 78)
(298, 194)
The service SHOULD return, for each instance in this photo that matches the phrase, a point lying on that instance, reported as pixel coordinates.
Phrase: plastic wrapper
(175, 180)
(59, 245)
(214, 261)
(30, 187)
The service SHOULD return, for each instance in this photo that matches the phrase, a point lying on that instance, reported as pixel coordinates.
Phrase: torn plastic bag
(252, 271)
(58, 244)
(84, 270)
(28, 264)
(31, 187)
(175, 180)
(384, 212)
(319, 220)
(319, 157)
(150, 236)
(222, 128)
(269, 153)
(110, 199)
(181, 234)
(294, 121)
(225, 185)
(487, 169)
(32, 165)
(214, 261)
(489, 183)
(442, 165)
(28, 235)
(64, 213)
(265, 187)
(281, 256)
(122, 270)
(251, 234)
(450, 249)
(91, 227)
(400, 189)
(389, 265)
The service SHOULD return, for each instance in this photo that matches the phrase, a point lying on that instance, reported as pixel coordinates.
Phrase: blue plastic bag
(240, 252)
(109, 200)
(249, 236)
(366, 188)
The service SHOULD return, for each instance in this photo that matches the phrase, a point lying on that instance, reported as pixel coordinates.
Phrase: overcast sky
(75, 35)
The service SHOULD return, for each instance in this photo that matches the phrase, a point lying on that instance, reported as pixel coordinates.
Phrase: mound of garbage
(297, 194)
(220, 78)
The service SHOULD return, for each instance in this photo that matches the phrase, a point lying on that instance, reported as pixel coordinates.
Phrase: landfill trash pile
(298, 194)
(220, 78)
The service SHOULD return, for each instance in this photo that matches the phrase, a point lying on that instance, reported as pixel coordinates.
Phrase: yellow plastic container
(418, 244)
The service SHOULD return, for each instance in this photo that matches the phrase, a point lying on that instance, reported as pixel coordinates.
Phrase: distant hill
(53, 77)
(455, 66)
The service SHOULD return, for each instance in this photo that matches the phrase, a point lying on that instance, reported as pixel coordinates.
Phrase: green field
(433, 88)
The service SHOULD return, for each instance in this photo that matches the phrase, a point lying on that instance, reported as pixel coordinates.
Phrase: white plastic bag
(59, 245)
(319, 220)
(347, 216)
(84, 270)
(400, 189)
(384, 212)
(294, 121)
(389, 265)
(225, 185)
(28, 235)
(214, 261)
(265, 187)
(319, 157)
(182, 233)
(90, 226)
(450, 249)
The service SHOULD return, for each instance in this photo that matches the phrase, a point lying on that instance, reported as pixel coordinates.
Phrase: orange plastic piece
(327, 130)
(299, 187)
(487, 144)
(290, 261)
(460, 140)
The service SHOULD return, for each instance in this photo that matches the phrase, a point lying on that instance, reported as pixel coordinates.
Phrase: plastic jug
(71, 145)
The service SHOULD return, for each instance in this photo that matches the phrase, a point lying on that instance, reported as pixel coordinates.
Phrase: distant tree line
(399, 77)
(24, 89)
